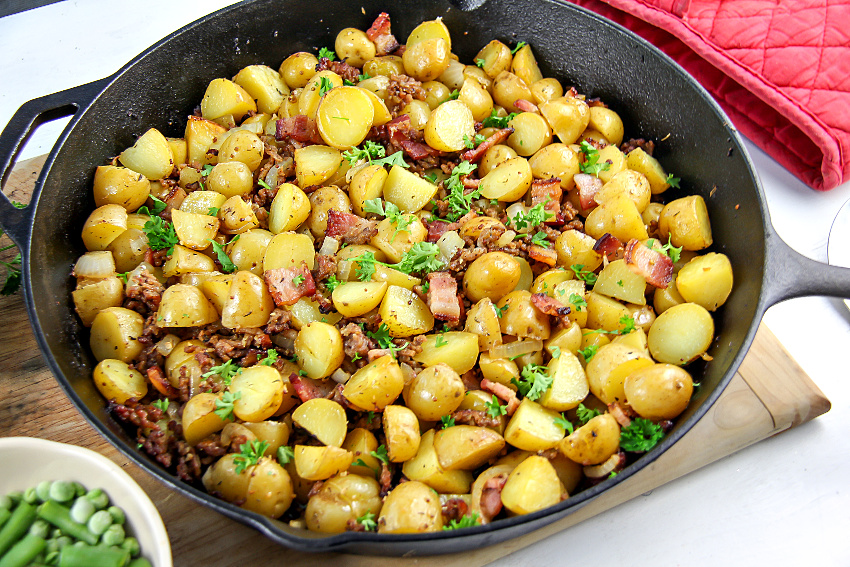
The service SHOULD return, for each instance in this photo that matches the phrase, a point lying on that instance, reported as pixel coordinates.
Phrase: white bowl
(26, 461)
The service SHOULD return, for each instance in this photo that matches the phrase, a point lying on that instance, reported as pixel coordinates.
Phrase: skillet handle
(789, 274)
(28, 117)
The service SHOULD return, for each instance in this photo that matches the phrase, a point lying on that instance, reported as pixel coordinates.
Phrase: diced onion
(272, 176)
(330, 246)
(167, 344)
(506, 238)
(408, 372)
(340, 376)
(510, 350)
(344, 270)
(449, 244)
(604, 469)
(517, 209)
(95, 265)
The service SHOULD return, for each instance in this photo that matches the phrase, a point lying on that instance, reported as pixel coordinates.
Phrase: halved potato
(115, 334)
(261, 393)
(150, 155)
(199, 419)
(325, 419)
(466, 447)
(115, 380)
(319, 463)
(402, 431)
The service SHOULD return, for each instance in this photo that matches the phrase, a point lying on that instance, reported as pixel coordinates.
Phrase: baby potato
(115, 333)
(122, 186)
(315, 164)
(434, 392)
(344, 117)
(180, 363)
(500, 370)
(320, 463)
(184, 260)
(385, 65)
(594, 442)
(411, 507)
(265, 85)
(249, 303)
(306, 311)
(436, 92)
(706, 280)
(567, 116)
(531, 133)
(609, 367)
(394, 242)
(556, 160)
(664, 299)
(660, 391)
(426, 60)
(362, 443)
(199, 419)
(202, 202)
(425, 467)
(319, 349)
(475, 96)
(531, 486)
(223, 479)
(508, 181)
(129, 249)
(353, 299)
(248, 251)
(575, 248)
(496, 57)
(322, 200)
(495, 156)
(640, 161)
(150, 155)
(533, 427)
(375, 386)
(608, 123)
(466, 447)
(524, 66)
(457, 349)
(324, 419)
(104, 225)
(569, 383)
(225, 98)
(115, 380)
(289, 250)
(242, 146)
(261, 393)
(406, 190)
(545, 90)
(482, 321)
(340, 500)
(447, 126)
(297, 69)
(194, 230)
(404, 313)
(230, 178)
(508, 88)
(237, 216)
(564, 339)
(91, 298)
(521, 319)
(354, 46)
(685, 223)
(496, 471)
(681, 334)
(402, 431)
(492, 275)
(270, 490)
(275, 433)
(627, 182)
(618, 281)
(367, 184)
(185, 306)
(618, 216)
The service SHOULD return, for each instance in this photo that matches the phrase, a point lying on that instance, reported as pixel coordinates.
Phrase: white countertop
(784, 501)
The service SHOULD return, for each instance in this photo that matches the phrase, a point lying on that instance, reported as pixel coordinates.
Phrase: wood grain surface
(768, 395)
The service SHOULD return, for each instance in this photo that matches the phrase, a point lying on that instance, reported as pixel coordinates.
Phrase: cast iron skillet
(656, 99)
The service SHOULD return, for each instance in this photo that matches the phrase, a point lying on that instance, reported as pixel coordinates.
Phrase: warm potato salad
(377, 288)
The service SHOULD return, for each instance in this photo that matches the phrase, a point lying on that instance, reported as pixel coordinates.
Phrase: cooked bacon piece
(325, 267)
(469, 183)
(284, 288)
(341, 68)
(381, 36)
(656, 268)
(355, 342)
(635, 143)
(162, 385)
(399, 128)
(418, 150)
(497, 137)
(547, 191)
(385, 479)
(503, 393)
(442, 296)
(491, 497)
(454, 509)
(622, 414)
(609, 246)
(475, 417)
(546, 255)
(587, 185)
(438, 228)
(350, 228)
(308, 389)
(299, 128)
(376, 353)
(549, 305)
(526, 105)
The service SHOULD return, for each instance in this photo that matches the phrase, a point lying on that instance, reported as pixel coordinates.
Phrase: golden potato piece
(319, 463)
(115, 333)
(466, 447)
(402, 430)
(115, 380)
(411, 507)
(531, 486)
(260, 391)
(376, 385)
(324, 419)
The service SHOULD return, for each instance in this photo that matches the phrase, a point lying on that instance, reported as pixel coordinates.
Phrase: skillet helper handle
(28, 117)
(789, 274)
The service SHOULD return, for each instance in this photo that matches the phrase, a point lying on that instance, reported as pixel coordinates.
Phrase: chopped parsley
(426, 286)
(374, 154)
(500, 310)
(628, 323)
(447, 421)
(368, 522)
(587, 276)
(585, 414)
(540, 239)
(535, 216)
(432, 177)
(466, 521)
(224, 405)
(422, 257)
(381, 454)
(227, 265)
(441, 341)
(249, 454)
(519, 46)
(391, 212)
(577, 301)
(326, 53)
(213, 212)
(347, 83)
(298, 280)
(161, 405)
(674, 252)
(453, 96)
(588, 352)
(496, 121)
(533, 382)
(363, 77)
(325, 85)
(225, 371)
(285, 455)
(476, 141)
(460, 203)
(640, 436)
(357, 357)
(381, 336)
(480, 63)
(270, 358)
(332, 283)
(565, 424)
(672, 181)
(590, 163)
(123, 276)
(494, 408)
(556, 352)
(161, 234)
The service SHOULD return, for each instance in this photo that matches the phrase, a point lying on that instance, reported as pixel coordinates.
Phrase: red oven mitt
(779, 68)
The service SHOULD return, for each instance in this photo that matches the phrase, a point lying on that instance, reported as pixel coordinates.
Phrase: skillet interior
(160, 89)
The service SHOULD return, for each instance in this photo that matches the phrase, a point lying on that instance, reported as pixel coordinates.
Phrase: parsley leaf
(365, 266)
(381, 336)
(496, 121)
(381, 454)
(480, 62)
(590, 163)
(459, 202)
(363, 77)
(422, 257)
(500, 310)
(465, 521)
(13, 274)
(432, 177)
(161, 405)
(332, 283)
(225, 371)
(448, 421)
(327, 54)
(640, 436)
(392, 159)
(494, 408)
(565, 424)
(577, 301)
(534, 381)
(298, 280)
(224, 405)
(161, 235)
(391, 212)
(672, 181)
(441, 341)
(213, 212)
(285, 454)
(270, 359)
(674, 252)
(158, 205)
(585, 414)
(227, 265)
(476, 141)
(368, 152)
(536, 215)
(368, 522)
(628, 323)
(249, 454)
(556, 352)
(540, 239)
(453, 96)
(588, 352)
(325, 85)
(586, 276)
(519, 46)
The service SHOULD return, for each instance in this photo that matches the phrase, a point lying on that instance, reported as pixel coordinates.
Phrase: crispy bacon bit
(503, 393)
(379, 33)
(157, 378)
(285, 288)
(355, 342)
(526, 105)
(609, 246)
(475, 417)
(442, 296)
(417, 150)
(454, 509)
(308, 389)
(549, 192)
(549, 305)
(299, 128)
(477, 153)
(350, 228)
(491, 497)
(325, 267)
(438, 228)
(646, 145)
(623, 414)
(546, 255)
(341, 68)
(656, 268)
(399, 128)
(587, 185)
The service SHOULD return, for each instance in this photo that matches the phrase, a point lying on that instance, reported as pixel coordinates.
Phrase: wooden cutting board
(769, 394)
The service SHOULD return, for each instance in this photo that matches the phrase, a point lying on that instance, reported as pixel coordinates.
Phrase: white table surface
(784, 501)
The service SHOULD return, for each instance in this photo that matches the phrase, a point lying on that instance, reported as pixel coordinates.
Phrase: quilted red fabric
(779, 68)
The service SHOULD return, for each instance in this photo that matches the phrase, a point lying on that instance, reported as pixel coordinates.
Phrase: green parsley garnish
(298, 280)
(249, 454)
(672, 181)
(465, 521)
(332, 283)
(432, 177)
(213, 212)
(519, 46)
(326, 53)
(426, 286)
(225, 371)
(534, 381)
(264, 185)
(227, 265)
(556, 352)
(161, 234)
(374, 154)
(640, 436)
(459, 201)
(628, 323)
(476, 141)
(674, 252)
(356, 357)
(422, 257)
(480, 62)
(535, 216)
(496, 121)
(381, 336)
(161, 405)
(391, 212)
(448, 421)
(453, 96)
(540, 239)
(586, 276)
(585, 414)
(590, 164)
(363, 77)
(577, 301)
(206, 170)
(565, 424)
(500, 310)
(325, 85)
(381, 454)
(123, 276)
(285, 454)
(441, 341)
(588, 352)
(368, 522)
(347, 83)
(224, 405)
(494, 408)
(620, 283)
(341, 117)
(270, 358)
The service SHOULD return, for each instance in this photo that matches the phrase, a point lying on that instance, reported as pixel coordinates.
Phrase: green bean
(17, 525)
(99, 522)
(62, 541)
(15, 496)
(51, 557)
(131, 544)
(62, 491)
(60, 516)
(5, 514)
(140, 562)
(82, 510)
(114, 535)
(42, 490)
(30, 496)
(86, 556)
(40, 528)
(23, 552)
(98, 498)
(6, 502)
(117, 514)
(79, 489)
